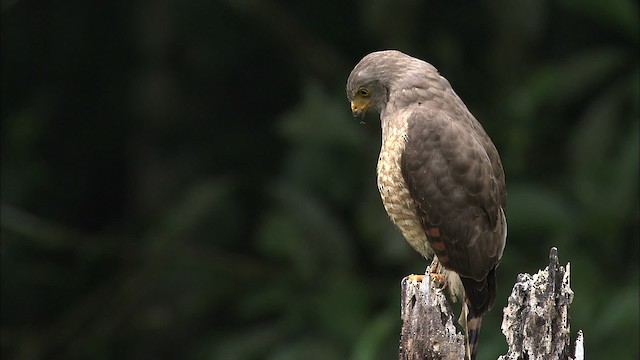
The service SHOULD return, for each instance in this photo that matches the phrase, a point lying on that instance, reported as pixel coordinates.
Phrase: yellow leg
(436, 274)
(465, 325)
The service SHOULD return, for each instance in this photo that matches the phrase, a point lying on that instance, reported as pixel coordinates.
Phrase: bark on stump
(428, 330)
(536, 319)
(535, 322)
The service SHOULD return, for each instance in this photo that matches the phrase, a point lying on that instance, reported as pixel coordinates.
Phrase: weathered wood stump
(535, 321)
(428, 330)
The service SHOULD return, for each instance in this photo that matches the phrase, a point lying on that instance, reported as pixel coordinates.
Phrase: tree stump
(535, 321)
(428, 330)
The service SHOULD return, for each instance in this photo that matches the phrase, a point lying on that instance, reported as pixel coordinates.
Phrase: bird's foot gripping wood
(436, 274)
(413, 278)
(439, 280)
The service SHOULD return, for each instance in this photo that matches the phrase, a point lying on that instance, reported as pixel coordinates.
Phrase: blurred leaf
(618, 315)
(282, 238)
(532, 207)
(621, 15)
(625, 174)
(342, 305)
(373, 341)
(383, 240)
(592, 138)
(571, 79)
(244, 345)
(321, 119)
(306, 348)
(205, 212)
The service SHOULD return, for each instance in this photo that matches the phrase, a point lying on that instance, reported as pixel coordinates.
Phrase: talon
(415, 278)
(439, 280)
(435, 267)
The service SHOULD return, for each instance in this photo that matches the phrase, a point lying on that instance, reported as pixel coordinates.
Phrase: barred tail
(480, 297)
(474, 323)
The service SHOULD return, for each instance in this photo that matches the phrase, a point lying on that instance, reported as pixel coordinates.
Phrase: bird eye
(363, 92)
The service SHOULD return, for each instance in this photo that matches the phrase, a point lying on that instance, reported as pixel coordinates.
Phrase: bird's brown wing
(454, 175)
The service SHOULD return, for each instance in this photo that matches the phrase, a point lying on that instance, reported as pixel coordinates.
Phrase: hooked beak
(359, 109)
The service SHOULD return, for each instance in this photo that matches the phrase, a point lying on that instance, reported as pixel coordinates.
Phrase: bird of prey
(439, 175)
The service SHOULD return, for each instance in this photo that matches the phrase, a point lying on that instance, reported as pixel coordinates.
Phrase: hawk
(439, 175)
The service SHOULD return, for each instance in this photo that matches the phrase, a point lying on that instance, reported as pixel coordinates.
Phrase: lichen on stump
(428, 330)
(536, 319)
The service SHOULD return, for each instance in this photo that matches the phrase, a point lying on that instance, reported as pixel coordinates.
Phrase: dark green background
(183, 179)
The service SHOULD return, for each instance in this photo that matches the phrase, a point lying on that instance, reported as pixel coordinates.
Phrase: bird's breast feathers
(393, 189)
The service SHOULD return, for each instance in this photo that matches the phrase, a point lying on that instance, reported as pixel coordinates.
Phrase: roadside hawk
(439, 176)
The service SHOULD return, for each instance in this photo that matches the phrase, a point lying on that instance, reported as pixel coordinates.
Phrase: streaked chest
(394, 192)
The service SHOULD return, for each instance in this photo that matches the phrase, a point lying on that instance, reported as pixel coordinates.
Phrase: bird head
(371, 80)
(368, 83)
(360, 102)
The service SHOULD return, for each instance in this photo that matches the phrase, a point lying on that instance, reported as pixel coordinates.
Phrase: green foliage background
(183, 179)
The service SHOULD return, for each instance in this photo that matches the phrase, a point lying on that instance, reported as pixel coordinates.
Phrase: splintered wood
(535, 321)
